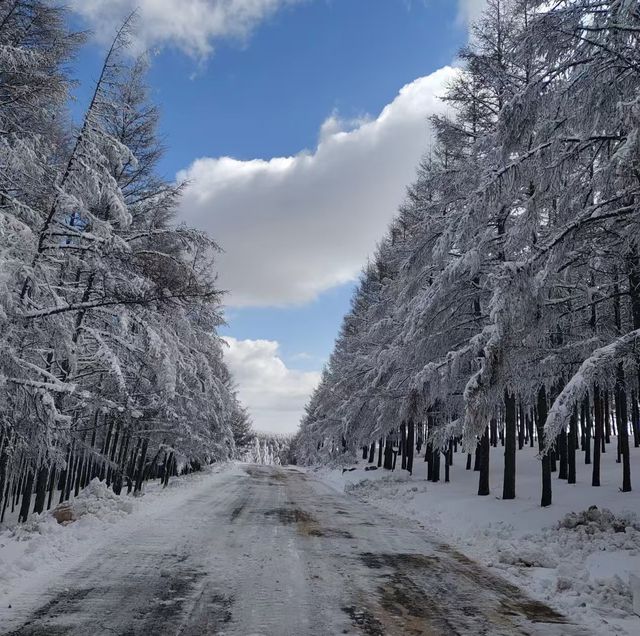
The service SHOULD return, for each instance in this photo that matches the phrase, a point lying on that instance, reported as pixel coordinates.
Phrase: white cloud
(292, 227)
(274, 394)
(469, 10)
(193, 26)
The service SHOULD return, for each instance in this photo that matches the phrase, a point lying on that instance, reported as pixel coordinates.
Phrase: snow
(585, 567)
(35, 553)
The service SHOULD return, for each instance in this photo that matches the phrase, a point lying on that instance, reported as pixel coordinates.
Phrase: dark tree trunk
(529, 421)
(561, 444)
(587, 431)
(447, 465)
(546, 464)
(63, 475)
(41, 489)
(52, 486)
(598, 435)
(169, 470)
(410, 445)
(403, 445)
(70, 474)
(365, 452)
(372, 452)
(571, 448)
(509, 480)
(468, 466)
(80, 474)
(5, 503)
(141, 465)
(132, 466)
(477, 458)
(380, 453)
(607, 418)
(635, 415)
(494, 432)
(435, 473)
(27, 490)
(623, 429)
(4, 460)
(388, 455)
(483, 451)
(521, 431)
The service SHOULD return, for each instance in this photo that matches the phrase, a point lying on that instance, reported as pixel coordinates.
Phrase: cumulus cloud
(292, 227)
(469, 10)
(274, 394)
(193, 26)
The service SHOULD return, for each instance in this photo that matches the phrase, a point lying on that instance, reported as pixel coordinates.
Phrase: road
(271, 551)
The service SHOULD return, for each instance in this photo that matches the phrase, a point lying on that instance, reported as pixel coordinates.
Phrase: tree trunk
(546, 464)
(483, 451)
(26, 496)
(509, 480)
(598, 435)
(607, 419)
(435, 473)
(562, 453)
(41, 489)
(141, 465)
(52, 486)
(521, 431)
(388, 455)
(571, 448)
(623, 428)
(410, 445)
(587, 431)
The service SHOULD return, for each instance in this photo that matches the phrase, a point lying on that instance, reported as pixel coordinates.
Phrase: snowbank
(581, 561)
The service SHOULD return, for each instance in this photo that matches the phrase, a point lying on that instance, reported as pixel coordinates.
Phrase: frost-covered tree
(502, 303)
(110, 361)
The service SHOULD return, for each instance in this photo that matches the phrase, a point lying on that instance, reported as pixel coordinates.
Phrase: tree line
(110, 364)
(504, 301)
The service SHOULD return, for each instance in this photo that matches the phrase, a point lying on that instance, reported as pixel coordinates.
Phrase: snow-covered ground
(271, 551)
(34, 553)
(583, 570)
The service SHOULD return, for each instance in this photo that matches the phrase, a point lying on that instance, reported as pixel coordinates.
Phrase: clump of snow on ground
(582, 560)
(33, 552)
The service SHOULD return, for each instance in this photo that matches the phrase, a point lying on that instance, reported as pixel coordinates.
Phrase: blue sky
(297, 136)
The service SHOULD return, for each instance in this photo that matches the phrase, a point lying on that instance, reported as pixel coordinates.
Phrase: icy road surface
(271, 551)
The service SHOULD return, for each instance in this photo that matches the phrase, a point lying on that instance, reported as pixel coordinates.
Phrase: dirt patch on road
(364, 620)
(211, 613)
(307, 524)
(424, 595)
(290, 515)
(237, 511)
(512, 600)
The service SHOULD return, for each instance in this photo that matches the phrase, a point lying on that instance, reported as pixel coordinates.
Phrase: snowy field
(584, 571)
(34, 553)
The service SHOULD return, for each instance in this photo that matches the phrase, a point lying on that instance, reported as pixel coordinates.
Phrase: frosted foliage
(109, 355)
(513, 264)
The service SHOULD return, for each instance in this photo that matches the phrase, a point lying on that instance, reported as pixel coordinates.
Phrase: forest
(503, 304)
(110, 362)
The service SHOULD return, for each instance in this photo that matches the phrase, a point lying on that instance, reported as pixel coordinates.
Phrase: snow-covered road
(272, 551)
